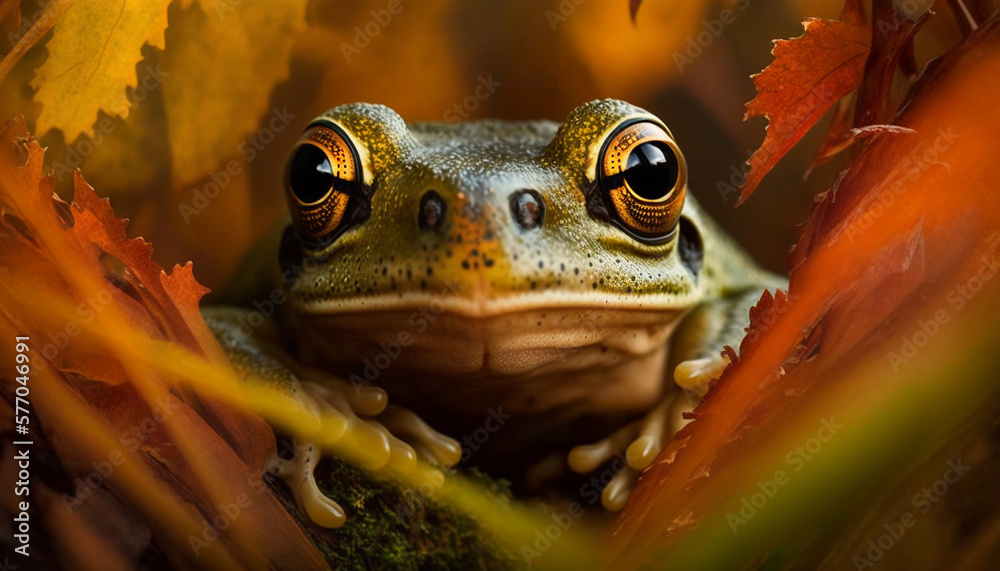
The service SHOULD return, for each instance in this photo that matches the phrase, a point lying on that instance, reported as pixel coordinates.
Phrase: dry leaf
(223, 61)
(881, 256)
(838, 134)
(108, 342)
(809, 74)
(892, 37)
(93, 53)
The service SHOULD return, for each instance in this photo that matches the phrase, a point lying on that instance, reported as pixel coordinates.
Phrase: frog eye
(644, 179)
(321, 180)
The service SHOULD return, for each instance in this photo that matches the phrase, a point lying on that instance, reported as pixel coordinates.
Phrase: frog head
(490, 249)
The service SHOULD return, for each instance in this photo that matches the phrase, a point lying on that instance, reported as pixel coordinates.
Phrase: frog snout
(527, 210)
(477, 235)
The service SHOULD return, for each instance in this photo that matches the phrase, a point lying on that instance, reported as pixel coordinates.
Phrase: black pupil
(310, 174)
(651, 171)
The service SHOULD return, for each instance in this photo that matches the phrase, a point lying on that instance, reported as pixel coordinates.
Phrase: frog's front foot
(373, 433)
(642, 441)
(694, 375)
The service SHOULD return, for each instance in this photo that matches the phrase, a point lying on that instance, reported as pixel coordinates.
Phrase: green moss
(394, 527)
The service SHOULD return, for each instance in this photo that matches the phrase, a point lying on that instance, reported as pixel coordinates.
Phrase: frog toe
(430, 445)
(587, 457)
(652, 433)
(616, 493)
(695, 374)
(297, 473)
(402, 456)
(637, 443)
(364, 441)
(368, 401)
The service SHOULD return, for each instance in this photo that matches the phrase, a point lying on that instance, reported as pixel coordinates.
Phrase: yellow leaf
(222, 66)
(92, 59)
(128, 155)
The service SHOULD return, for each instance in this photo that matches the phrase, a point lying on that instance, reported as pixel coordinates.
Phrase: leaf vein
(104, 49)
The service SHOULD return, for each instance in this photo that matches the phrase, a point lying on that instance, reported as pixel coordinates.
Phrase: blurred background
(238, 81)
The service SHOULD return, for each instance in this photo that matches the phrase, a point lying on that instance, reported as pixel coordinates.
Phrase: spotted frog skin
(554, 284)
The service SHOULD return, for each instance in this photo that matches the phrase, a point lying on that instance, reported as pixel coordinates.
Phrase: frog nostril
(432, 209)
(528, 209)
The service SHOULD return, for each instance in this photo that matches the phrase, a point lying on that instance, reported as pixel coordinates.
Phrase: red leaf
(892, 33)
(176, 454)
(883, 248)
(809, 74)
(838, 136)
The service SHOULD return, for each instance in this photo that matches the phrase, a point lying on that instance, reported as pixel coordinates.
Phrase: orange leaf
(892, 35)
(838, 134)
(809, 74)
(99, 313)
(911, 221)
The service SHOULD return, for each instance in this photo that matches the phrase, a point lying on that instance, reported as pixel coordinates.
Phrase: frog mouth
(431, 340)
(485, 304)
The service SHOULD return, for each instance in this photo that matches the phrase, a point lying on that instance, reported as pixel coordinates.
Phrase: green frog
(528, 296)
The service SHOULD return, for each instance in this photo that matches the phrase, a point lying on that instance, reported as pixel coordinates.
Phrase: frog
(546, 297)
